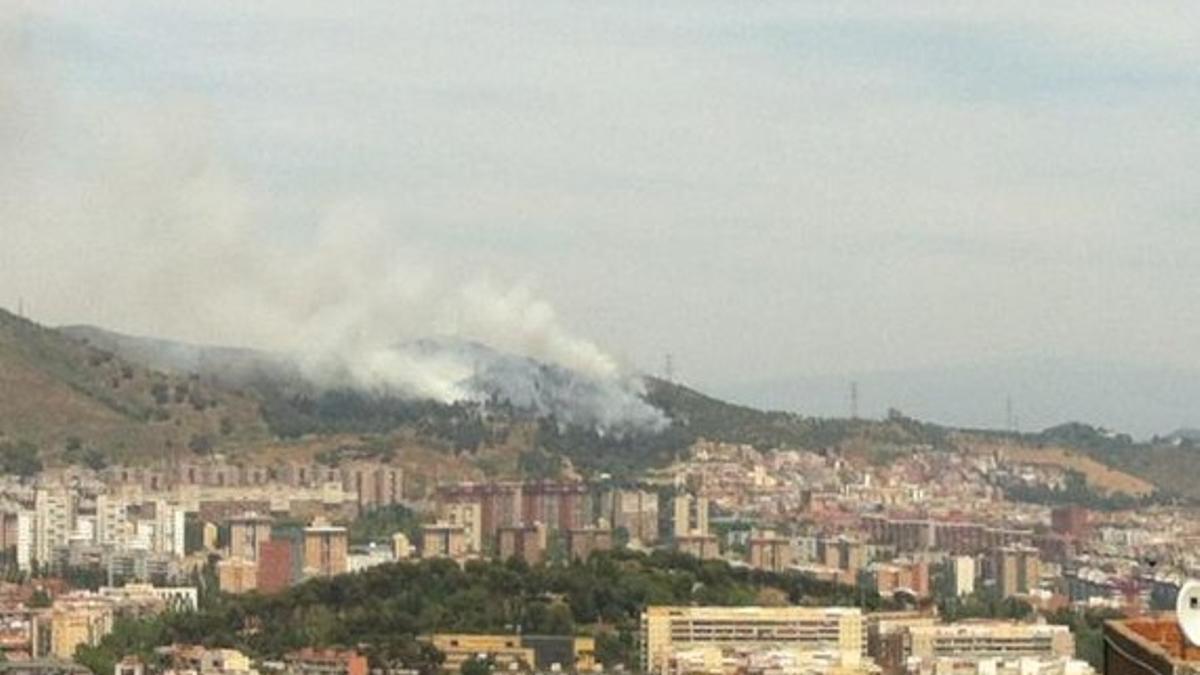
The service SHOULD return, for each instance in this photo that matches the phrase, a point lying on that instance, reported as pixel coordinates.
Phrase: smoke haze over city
(765, 192)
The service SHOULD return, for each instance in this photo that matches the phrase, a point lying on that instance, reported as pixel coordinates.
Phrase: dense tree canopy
(384, 609)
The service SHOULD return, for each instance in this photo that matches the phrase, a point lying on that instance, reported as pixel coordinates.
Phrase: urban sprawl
(965, 581)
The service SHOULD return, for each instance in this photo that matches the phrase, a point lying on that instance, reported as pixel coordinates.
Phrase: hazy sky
(757, 187)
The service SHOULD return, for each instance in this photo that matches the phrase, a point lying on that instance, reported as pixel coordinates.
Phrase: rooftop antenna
(854, 400)
(1010, 420)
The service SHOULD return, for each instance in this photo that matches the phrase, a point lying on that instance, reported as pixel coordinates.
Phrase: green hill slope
(65, 396)
(62, 393)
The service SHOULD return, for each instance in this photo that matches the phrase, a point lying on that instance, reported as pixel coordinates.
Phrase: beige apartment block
(443, 540)
(325, 550)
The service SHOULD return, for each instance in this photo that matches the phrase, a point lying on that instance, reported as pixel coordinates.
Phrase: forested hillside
(386, 609)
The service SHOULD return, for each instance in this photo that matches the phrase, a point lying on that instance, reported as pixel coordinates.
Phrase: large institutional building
(688, 639)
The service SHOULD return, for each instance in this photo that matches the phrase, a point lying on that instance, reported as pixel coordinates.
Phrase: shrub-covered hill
(386, 609)
(85, 393)
(65, 397)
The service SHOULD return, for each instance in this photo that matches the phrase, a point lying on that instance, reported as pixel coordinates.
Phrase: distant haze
(758, 189)
(1044, 392)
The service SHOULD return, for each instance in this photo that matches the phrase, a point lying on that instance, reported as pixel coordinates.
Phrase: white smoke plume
(122, 213)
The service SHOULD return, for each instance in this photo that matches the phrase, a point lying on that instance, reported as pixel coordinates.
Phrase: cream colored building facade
(672, 633)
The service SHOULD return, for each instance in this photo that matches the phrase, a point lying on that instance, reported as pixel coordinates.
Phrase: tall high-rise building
(500, 504)
(525, 542)
(276, 566)
(1017, 570)
(325, 550)
(468, 516)
(635, 511)
(769, 551)
(54, 521)
(170, 528)
(373, 484)
(691, 515)
(958, 573)
(842, 553)
(443, 540)
(26, 539)
(557, 505)
(112, 520)
(247, 533)
(583, 542)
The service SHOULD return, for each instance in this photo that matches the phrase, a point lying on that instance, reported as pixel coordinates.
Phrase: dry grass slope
(1100, 477)
(53, 389)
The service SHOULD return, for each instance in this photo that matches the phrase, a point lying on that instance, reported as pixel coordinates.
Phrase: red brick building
(558, 505)
(526, 542)
(1070, 520)
(276, 565)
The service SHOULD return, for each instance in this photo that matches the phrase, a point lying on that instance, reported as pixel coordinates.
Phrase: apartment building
(906, 576)
(247, 533)
(237, 575)
(887, 638)
(54, 521)
(1016, 569)
(953, 537)
(524, 542)
(112, 519)
(76, 621)
(583, 542)
(691, 515)
(560, 506)
(769, 551)
(844, 554)
(635, 511)
(500, 504)
(443, 540)
(325, 550)
(373, 484)
(703, 546)
(468, 516)
(276, 566)
(958, 575)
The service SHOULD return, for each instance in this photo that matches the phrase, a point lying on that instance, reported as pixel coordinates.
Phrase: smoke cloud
(123, 213)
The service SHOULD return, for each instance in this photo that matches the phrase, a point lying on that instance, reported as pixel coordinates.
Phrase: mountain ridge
(62, 394)
(1044, 391)
(494, 431)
